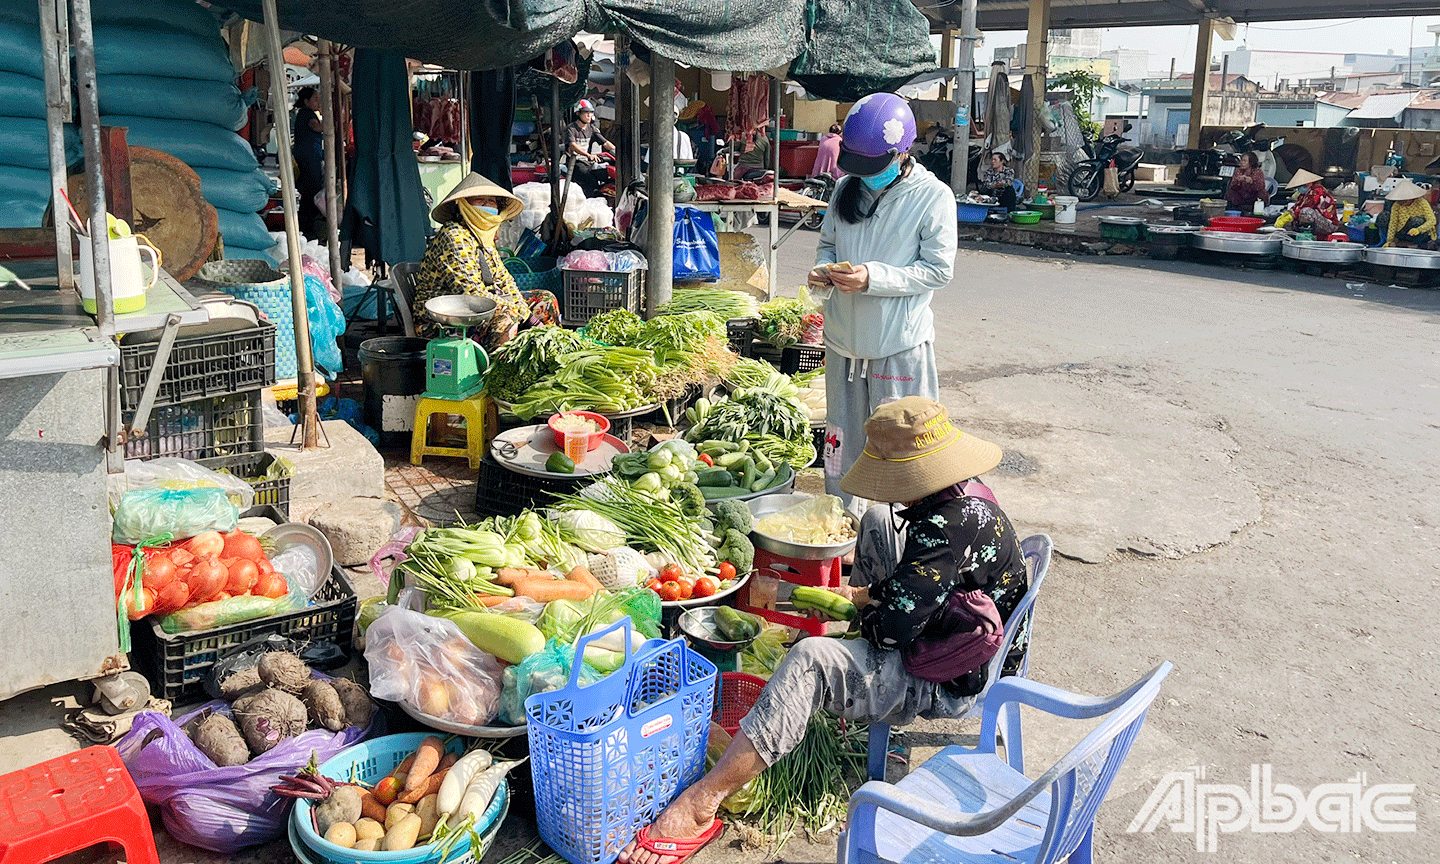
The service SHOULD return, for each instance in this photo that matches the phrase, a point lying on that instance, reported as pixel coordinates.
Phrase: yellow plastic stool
(473, 410)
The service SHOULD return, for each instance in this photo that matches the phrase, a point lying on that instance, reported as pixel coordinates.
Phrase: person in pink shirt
(827, 158)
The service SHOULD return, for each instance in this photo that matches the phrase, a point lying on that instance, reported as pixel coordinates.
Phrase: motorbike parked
(1210, 170)
(819, 188)
(1087, 177)
(937, 158)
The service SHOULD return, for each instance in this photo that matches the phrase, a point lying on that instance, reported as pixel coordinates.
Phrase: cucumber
(764, 481)
(825, 602)
(747, 468)
(730, 460)
(714, 477)
(714, 448)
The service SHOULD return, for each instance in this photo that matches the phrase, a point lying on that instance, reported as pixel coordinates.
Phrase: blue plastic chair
(1037, 549)
(970, 805)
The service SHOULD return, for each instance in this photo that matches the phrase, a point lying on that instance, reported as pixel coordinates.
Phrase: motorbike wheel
(1127, 181)
(1085, 182)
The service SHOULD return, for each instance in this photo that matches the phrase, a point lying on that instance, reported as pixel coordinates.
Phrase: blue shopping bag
(697, 246)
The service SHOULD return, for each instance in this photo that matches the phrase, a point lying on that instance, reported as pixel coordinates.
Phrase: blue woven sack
(606, 758)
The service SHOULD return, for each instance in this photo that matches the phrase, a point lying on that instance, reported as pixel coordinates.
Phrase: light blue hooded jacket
(908, 245)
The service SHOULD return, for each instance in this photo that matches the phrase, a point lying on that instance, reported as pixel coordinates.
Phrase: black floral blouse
(952, 543)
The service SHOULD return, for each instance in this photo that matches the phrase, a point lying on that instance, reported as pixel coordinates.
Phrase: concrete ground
(1239, 470)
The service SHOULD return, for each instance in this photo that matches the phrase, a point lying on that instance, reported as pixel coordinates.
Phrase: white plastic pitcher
(1065, 209)
(127, 277)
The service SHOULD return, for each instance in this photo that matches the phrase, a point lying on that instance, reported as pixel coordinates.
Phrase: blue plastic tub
(967, 212)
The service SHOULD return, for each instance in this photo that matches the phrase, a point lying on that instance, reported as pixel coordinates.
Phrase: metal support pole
(661, 183)
(559, 138)
(304, 361)
(329, 128)
(84, 35)
(1200, 91)
(964, 93)
(55, 51)
(1037, 61)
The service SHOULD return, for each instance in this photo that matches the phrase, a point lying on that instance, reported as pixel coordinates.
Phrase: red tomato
(707, 460)
(669, 591)
(671, 573)
(653, 584)
(706, 586)
(727, 571)
(687, 588)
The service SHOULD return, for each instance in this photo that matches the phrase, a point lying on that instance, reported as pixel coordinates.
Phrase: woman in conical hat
(462, 259)
(1408, 220)
(1314, 205)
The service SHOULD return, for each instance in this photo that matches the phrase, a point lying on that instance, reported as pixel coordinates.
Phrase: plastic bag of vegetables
(539, 673)
(429, 664)
(145, 514)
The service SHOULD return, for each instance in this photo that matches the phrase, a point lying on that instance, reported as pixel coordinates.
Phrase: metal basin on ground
(1418, 259)
(1238, 244)
(1322, 251)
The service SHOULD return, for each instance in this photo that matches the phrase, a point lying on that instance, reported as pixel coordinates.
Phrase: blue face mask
(879, 181)
(491, 210)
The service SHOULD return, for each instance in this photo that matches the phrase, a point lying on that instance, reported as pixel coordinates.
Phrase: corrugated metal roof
(1383, 106)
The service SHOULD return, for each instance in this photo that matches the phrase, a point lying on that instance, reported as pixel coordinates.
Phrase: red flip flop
(680, 849)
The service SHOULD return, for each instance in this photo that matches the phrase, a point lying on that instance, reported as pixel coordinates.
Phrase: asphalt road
(1239, 470)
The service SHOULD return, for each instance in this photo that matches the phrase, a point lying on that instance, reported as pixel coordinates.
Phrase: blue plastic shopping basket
(608, 757)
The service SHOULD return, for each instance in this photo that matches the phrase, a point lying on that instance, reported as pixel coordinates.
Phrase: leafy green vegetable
(782, 319)
(616, 327)
(726, 304)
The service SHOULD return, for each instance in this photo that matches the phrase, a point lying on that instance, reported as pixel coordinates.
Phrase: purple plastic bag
(221, 809)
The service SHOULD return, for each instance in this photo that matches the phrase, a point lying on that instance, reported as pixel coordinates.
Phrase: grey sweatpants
(854, 389)
(848, 677)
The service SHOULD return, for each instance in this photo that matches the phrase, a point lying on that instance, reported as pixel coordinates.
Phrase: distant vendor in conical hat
(462, 259)
(1408, 220)
(1314, 205)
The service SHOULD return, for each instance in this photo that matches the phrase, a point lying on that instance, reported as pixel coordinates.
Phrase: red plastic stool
(71, 803)
(757, 600)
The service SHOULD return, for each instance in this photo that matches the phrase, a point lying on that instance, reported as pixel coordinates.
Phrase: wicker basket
(260, 283)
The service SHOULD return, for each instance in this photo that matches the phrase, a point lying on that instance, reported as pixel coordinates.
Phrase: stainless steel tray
(768, 504)
(1168, 228)
(1121, 220)
(1322, 251)
(1238, 244)
(1418, 259)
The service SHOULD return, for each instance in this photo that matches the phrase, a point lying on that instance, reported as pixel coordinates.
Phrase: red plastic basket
(1236, 224)
(738, 692)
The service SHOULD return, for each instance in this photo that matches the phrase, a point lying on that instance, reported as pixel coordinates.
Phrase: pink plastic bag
(221, 809)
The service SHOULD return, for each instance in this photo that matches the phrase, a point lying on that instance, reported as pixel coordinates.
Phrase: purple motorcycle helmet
(877, 128)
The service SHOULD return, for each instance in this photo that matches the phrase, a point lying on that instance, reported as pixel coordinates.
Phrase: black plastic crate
(200, 366)
(202, 429)
(502, 492)
(741, 333)
(177, 663)
(762, 350)
(590, 292)
(802, 358)
(273, 492)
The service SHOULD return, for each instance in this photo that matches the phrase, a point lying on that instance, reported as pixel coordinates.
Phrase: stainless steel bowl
(765, 505)
(460, 310)
(699, 625)
(1322, 251)
(1238, 244)
(1418, 259)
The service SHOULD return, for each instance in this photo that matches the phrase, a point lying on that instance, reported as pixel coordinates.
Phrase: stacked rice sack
(164, 72)
(24, 148)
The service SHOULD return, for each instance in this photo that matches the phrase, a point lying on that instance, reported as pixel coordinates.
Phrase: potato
(434, 698)
(367, 827)
(283, 670)
(358, 707)
(341, 834)
(429, 813)
(403, 835)
(218, 738)
(368, 844)
(343, 805)
(269, 718)
(323, 705)
(395, 813)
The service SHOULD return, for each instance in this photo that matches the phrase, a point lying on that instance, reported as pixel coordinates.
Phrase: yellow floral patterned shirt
(452, 266)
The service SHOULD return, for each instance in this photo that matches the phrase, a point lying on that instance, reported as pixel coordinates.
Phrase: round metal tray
(460, 310)
(768, 504)
(1322, 251)
(1168, 228)
(699, 625)
(1238, 244)
(701, 602)
(1121, 220)
(460, 728)
(525, 450)
(784, 482)
(1418, 259)
(290, 534)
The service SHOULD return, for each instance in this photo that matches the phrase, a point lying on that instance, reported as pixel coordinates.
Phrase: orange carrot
(546, 590)
(508, 576)
(371, 806)
(583, 575)
(427, 759)
(431, 786)
(488, 600)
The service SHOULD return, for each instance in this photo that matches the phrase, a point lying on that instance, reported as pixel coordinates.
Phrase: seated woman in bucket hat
(951, 542)
(462, 259)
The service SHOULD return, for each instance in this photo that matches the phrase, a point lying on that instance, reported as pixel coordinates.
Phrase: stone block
(357, 527)
(350, 467)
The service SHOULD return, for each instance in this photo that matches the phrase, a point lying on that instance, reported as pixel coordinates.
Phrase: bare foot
(684, 819)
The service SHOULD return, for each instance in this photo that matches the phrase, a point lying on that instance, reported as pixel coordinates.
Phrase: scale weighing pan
(460, 310)
(526, 449)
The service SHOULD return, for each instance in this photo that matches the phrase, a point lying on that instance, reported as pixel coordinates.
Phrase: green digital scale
(455, 364)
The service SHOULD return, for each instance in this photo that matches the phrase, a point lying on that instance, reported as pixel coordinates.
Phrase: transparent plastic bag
(232, 610)
(546, 670)
(301, 571)
(429, 664)
(169, 472)
(145, 514)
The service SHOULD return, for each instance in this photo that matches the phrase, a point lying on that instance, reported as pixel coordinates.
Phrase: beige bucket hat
(913, 450)
(1406, 190)
(1302, 178)
(476, 185)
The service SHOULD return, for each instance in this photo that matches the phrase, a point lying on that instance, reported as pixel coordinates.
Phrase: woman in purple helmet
(893, 222)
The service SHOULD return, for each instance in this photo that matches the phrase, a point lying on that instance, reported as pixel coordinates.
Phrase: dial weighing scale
(455, 364)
